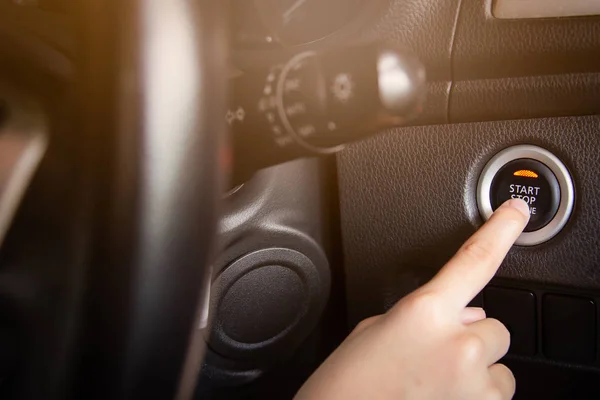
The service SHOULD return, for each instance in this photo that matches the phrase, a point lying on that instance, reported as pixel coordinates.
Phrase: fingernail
(518, 204)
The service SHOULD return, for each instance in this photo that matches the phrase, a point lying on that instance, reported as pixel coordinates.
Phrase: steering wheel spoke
(126, 218)
(23, 142)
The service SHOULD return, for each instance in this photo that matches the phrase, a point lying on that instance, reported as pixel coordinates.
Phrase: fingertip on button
(519, 205)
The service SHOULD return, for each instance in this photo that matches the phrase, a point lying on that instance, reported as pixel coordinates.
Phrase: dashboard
(309, 248)
(407, 198)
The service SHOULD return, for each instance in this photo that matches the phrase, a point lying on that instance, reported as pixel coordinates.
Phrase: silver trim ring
(567, 190)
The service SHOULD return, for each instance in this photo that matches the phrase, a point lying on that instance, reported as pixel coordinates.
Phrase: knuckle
(479, 251)
(422, 309)
(501, 328)
(365, 323)
(503, 382)
(513, 381)
(502, 335)
(425, 303)
(506, 373)
(471, 348)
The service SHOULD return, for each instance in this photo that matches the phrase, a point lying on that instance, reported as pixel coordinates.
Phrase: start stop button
(536, 176)
(533, 182)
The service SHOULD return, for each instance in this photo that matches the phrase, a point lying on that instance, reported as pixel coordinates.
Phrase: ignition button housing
(539, 178)
(533, 182)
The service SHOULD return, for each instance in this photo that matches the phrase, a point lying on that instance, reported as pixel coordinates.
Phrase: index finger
(477, 261)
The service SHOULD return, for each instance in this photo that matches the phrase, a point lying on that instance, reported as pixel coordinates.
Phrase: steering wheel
(101, 273)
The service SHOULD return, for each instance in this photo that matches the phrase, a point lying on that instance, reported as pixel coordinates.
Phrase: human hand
(430, 345)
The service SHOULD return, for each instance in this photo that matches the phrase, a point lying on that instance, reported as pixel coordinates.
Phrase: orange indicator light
(525, 173)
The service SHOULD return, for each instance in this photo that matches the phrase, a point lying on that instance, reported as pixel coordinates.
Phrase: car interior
(202, 199)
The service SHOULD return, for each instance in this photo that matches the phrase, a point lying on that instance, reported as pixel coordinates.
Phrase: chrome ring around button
(567, 190)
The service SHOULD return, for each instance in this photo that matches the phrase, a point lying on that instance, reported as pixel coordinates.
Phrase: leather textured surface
(487, 47)
(527, 68)
(525, 97)
(407, 201)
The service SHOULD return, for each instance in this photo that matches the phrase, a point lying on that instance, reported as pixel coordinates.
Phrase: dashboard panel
(408, 197)
(381, 217)
(408, 201)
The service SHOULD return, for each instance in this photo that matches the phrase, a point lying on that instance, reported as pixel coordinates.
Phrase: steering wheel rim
(151, 90)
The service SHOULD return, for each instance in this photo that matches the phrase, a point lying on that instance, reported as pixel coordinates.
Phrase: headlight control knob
(314, 103)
